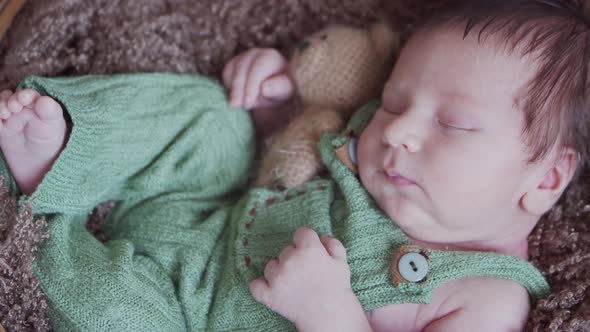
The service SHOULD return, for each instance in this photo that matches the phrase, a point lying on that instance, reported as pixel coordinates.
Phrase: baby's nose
(402, 134)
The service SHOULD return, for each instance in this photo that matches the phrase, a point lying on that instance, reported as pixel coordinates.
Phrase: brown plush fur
(74, 37)
(22, 305)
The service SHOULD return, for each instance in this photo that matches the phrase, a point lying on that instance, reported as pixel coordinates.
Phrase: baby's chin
(400, 209)
(411, 218)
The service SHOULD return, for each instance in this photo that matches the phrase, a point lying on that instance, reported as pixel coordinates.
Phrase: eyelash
(447, 126)
(452, 127)
(391, 112)
(438, 122)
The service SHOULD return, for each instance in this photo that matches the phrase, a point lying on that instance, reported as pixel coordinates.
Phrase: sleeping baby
(420, 225)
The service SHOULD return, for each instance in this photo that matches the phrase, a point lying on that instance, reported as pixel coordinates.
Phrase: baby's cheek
(365, 149)
(365, 164)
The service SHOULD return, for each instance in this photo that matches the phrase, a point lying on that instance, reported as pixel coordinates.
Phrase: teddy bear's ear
(386, 41)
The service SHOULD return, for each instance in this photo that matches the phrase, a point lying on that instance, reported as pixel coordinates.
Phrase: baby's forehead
(462, 68)
(453, 36)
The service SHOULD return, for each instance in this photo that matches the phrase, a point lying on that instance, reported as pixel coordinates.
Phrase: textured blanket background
(73, 37)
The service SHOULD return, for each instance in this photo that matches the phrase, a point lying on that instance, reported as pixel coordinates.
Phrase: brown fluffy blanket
(74, 37)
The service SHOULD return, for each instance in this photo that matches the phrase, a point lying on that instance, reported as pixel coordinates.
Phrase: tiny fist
(334, 247)
(271, 269)
(278, 87)
(305, 237)
(259, 289)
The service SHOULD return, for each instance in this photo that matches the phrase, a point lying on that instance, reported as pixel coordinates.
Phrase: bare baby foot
(32, 134)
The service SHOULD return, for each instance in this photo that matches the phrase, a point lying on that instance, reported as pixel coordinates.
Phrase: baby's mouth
(397, 179)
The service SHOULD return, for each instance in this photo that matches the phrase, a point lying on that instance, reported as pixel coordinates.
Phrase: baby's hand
(257, 78)
(309, 281)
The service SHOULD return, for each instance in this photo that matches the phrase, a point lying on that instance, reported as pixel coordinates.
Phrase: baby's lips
(398, 178)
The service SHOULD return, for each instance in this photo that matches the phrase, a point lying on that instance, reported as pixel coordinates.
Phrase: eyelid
(390, 111)
(455, 126)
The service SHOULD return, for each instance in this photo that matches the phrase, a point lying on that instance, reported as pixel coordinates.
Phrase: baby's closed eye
(456, 121)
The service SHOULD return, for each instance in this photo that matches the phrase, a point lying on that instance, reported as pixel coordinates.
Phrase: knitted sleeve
(136, 134)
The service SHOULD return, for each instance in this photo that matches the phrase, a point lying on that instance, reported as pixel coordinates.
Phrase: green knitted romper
(187, 236)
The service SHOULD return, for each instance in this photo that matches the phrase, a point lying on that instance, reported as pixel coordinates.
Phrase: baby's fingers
(279, 88)
(228, 73)
(305, 237)
(271, 270)
(240, 77)
(260, 291)
(334, 247)
(267, 63)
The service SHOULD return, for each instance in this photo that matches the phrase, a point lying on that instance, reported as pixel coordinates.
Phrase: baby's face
(444, 156)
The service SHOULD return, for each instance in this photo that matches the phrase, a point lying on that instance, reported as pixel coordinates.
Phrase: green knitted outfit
(187, 236)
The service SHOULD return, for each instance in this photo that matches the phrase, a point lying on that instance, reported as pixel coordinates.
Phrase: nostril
(304, 45)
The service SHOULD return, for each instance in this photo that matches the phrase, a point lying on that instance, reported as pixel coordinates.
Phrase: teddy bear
(335, 71)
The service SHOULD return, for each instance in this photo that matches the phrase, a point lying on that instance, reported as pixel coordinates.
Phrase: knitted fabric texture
(183, 246)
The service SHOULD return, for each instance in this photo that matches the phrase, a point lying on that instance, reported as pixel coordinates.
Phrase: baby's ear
(545, 194)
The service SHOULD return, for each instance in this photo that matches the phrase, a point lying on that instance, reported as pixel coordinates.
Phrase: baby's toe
(13, 104)
(48, 110)
(27, 96)
(4, 112)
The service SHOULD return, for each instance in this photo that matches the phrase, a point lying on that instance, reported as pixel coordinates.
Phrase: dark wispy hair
(557, 35)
